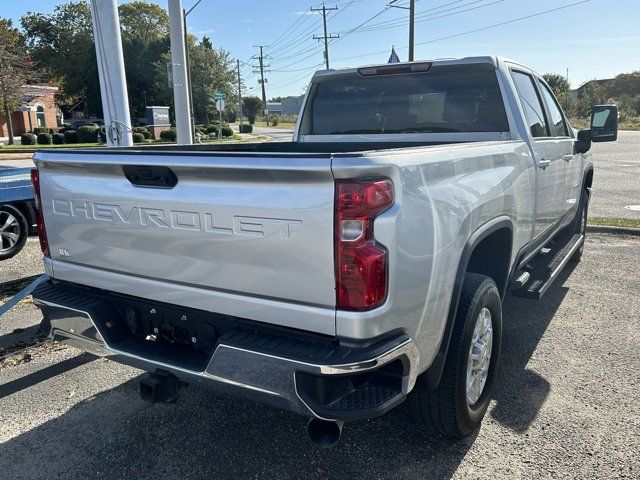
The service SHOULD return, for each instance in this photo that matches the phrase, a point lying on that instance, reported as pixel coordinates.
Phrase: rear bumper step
(289, 371)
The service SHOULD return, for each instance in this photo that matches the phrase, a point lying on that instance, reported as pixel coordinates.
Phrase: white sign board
(220, 105)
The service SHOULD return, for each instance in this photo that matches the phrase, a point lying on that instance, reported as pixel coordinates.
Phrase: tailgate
(248, 225)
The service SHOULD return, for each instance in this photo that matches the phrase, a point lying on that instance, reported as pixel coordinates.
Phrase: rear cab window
(442, 100)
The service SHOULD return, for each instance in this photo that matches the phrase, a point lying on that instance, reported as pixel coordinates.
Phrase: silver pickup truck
(338, 275)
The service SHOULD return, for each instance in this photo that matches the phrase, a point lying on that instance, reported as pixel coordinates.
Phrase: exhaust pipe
(323, 433)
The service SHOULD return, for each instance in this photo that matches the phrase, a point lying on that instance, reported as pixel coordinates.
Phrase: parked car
(17, 213)
(336, 276)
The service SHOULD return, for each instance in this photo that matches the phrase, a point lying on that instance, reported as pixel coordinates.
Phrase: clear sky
(591, 38)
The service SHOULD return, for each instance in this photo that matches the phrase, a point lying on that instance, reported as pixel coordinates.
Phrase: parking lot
(566, 404)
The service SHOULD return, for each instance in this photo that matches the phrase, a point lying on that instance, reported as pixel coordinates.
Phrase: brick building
(44, 111)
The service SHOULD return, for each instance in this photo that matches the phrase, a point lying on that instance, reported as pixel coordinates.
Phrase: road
(566, 405)
(277, 134)
(616, 183)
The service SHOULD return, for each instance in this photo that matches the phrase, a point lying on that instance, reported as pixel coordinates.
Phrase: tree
(212, 70)
(15, 68)
(562, 90)
(591, 95)
(251, 106)
(625, 91)
(62, 45)
(558, 84)
(145, 40)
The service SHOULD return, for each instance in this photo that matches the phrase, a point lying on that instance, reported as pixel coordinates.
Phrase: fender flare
(433, 373)
(587, 169)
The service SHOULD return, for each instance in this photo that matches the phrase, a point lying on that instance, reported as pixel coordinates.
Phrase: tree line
(623, 90)
(58, 48)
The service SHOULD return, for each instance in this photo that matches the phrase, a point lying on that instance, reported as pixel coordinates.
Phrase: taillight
(42, 232)
(361, 262)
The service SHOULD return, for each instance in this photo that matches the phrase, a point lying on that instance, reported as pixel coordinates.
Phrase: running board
(545, 272)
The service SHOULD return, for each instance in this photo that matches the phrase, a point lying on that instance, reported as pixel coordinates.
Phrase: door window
(533, 110)
(558, 126)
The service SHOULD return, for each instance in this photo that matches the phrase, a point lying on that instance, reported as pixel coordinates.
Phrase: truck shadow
(520, 393)
(115, 435)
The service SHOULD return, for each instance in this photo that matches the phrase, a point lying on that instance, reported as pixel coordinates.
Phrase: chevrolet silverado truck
(17, 213)
(338, 275)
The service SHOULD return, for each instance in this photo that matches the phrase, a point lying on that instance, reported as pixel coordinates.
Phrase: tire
(580, 225)
(447, 410)
(14, 230)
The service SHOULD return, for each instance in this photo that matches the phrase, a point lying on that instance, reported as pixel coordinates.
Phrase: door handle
(567, 158)
(543, 163)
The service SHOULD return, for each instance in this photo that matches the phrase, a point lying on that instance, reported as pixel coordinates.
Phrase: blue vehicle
(17, 210)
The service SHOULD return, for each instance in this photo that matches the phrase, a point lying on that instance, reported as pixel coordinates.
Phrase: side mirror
(583, 142)
(604, 123)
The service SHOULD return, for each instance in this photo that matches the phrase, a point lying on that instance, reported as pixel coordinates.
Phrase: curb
(614, 230)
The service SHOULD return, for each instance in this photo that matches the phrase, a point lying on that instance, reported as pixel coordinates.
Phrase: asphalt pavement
(566, 405)
(276, 134)
(616, 180)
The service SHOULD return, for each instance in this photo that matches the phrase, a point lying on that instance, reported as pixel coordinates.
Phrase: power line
(426, 17)
(326, 37)
(514, 20)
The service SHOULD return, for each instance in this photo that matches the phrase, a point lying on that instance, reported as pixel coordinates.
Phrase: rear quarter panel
(442, 195)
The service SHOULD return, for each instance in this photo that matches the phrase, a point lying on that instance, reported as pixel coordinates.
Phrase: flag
(394, 56)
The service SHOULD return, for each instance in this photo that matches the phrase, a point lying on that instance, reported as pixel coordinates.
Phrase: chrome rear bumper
(324, 381)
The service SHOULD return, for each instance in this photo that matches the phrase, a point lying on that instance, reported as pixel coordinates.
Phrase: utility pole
(179, 69)
(113, 83)
(412, 17)
(239, 96)
(262, 66)
(185, 14)
(325, 37)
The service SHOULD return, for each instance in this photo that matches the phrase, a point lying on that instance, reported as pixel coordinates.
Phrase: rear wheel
(457, 406)
(13, 231)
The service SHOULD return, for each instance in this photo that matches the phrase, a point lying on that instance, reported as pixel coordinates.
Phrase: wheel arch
(587, 180)
(496, 232)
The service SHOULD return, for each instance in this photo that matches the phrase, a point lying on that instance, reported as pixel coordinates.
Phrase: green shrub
(138, 138)
(169, 135)
(39, 130)
(70, 136)
(275, 120)
(246, 128)
(58, 138)
(44, 139)
(28, 139)
(227, 131)
(213, 128)
(144, 131)
(87, 134)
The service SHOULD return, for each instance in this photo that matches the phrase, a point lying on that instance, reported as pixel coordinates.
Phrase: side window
(533, 110)
(558, 127)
